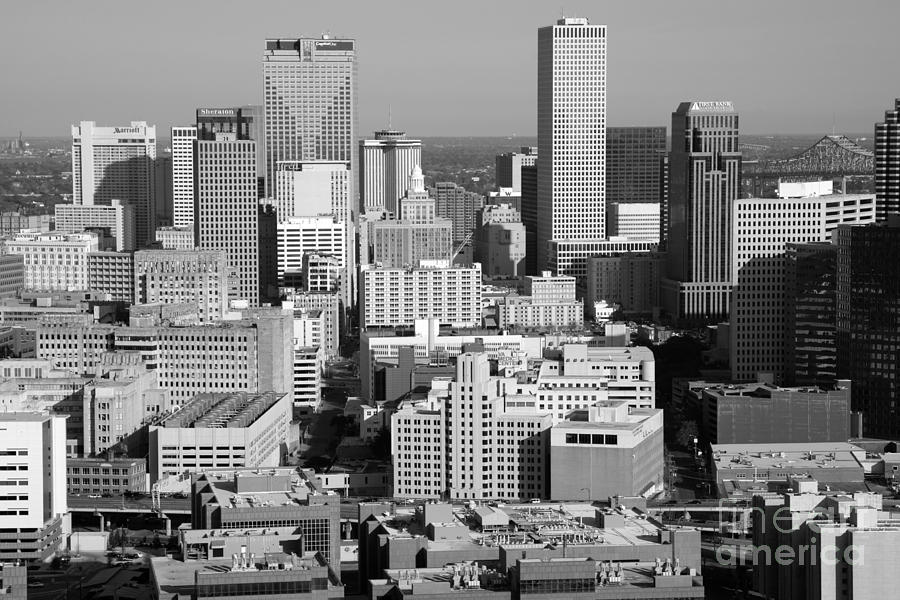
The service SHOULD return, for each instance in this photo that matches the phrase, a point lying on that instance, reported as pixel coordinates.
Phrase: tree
(686, 433)
(381, 445)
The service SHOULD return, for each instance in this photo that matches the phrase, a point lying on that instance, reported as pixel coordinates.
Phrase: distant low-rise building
(101, 476)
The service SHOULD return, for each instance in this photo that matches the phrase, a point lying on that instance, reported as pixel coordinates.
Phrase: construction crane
(462, 245)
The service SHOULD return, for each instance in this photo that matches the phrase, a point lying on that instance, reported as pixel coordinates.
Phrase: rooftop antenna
(390, 118)
(832, 123)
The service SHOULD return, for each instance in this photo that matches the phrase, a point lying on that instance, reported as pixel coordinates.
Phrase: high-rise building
(116, 162)
(384, 167)
(33, 462)
(632, 163)
(761, 229)
(225, 190)
(571, 166)
(887, 162)
(810, 315)
(183, 139)
(162, 190)
(454, 202)
(704, 181)
(509, 167)
(310, 104)
(530, 217)
(868, 309)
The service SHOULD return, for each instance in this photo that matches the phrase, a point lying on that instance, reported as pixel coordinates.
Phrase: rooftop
(239, 409)
(794, 456)
(276, 486)
(175, 578)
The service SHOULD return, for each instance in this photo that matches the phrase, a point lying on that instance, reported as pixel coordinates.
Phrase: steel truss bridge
(832, 157)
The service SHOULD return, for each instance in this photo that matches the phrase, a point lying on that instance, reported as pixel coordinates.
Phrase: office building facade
(226, 204)
(632, 220)
(196, 277)
(868, 305)
(632, 164)
(761, 229)
(810, 313)
(394, 297)
(116, 217)
(454, 202)
(116, 163)
(299, 236)
(310, 101)
(571, 170)
(704, 182)
(112, 273)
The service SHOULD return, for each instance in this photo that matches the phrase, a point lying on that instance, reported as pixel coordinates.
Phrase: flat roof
(805, 456)
(27, 417)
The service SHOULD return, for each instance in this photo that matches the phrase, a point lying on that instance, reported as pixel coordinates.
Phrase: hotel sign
(117, 130)
(215, 112)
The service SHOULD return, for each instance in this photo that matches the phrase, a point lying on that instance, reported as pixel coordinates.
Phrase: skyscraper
(226, 203)
(632, 163)
(809, 311)
(571, 161)
(868, 322)
(310, 103)
(183, 176)
(116, 162)
(887, 162)
(704, 181)
(461, 206)
(384, 167)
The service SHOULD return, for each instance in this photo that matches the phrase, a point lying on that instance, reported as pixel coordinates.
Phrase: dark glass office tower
(810, 314)
(868, 322)
(887, 163)
(632, 163)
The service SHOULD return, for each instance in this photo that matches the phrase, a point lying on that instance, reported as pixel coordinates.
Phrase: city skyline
(786, 84)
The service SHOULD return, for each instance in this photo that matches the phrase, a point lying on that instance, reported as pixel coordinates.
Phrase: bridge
(832, 157)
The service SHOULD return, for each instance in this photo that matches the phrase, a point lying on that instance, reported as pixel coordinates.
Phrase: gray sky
(459, 67)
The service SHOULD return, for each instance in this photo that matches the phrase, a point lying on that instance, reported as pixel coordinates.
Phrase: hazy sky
(458, 67)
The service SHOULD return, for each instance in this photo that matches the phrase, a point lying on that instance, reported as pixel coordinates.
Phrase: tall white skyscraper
(310, 103)
(183, 176)
(227, 207)
(384, 167)
(571, 164)
(116, 163)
